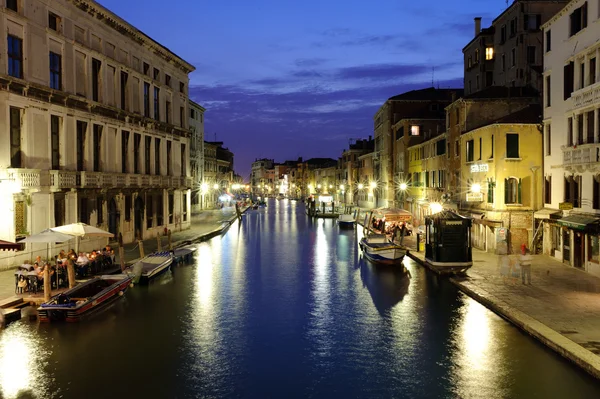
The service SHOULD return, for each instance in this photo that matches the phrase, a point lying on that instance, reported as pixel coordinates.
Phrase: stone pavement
(561, 306)
(205, 223)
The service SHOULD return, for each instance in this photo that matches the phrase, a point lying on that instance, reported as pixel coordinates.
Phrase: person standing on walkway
(525, 261)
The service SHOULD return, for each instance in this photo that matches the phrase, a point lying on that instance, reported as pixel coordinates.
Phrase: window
(169, 160)
(503, 34)
(168, 112)
(53, 21)
(84, 215)
(477, 82)
(476, 56)
(569, 79)
(15, 137)
(137, 141)
(183, 162)
(97, 148)
(592, 71)
(513, 57)
(512, 190)
(512, 145)
(415, 130)
(156, 74)
(548, 190)
(149, 211)
(96, 65)
(170, 206)
(146, 68)
(181, 87)
(480, 147)
(81, 138)
(192, 113)
(124, 90)
(12, 5)
(124, 151)
(513, 27)
(548, 40)
(596, 195)
(157, 156)
(578, 19)
(441, 147)
(582, 74)
(531, 55)
(503, 62)
(470, 150)
(548, 139)
(54, 141)
(489, 53)
(160, 210)
(490, 191)
(148, 143)
(59, 210)
(456, 148)
(55, 71)
(156, 103)
(492, 156)
(128, 207)
(168, 80)
(548, 91)
(589, 117)
(569, 132)
(579, 129)
(573, 190)
(532, 21)
(15, 57)
(182, 116)
(146, 99)
(99, 211)
(185, 207)
(469, 62)
(594, 242)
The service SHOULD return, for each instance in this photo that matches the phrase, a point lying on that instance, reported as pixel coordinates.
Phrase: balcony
(62, 179)
(587, 96)
(91, 180)
(582, 157)
(28, 179)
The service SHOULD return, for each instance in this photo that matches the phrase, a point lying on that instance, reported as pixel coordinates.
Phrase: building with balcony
(95, 125)
(349, 168)
(509, 53)
(196, 152)
(210, 188)
(259, 181)
(365, 191)
(572, 135)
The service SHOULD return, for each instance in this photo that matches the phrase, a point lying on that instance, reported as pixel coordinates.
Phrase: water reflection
(387, 285)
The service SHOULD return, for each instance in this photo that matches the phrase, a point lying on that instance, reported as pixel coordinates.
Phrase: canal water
(283, 306)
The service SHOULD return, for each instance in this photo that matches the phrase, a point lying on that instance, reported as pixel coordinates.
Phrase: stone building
(349, 166)
(259, 181)
(509, 53)
(572, 135)
(94, 125)
(196, 152)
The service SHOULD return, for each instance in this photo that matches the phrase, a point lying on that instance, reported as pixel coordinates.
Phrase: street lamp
(435, 207)
(361, 186)
(403, 186)
(373, 185)
(476, 188)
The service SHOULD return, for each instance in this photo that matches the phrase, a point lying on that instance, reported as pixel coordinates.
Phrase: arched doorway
(138, 216)
(113, 218)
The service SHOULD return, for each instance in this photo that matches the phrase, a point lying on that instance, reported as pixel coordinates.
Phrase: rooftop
(428, 94)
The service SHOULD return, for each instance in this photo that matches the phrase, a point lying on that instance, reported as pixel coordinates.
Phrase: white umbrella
(81, 230)
(47, 236)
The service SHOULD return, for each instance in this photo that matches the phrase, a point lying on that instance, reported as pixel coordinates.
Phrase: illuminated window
(489, 53)
(415, 130)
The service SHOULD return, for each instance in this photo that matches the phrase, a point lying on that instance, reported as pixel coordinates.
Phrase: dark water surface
(282, 306)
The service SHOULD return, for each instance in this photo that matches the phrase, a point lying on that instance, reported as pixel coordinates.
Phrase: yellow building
(366, 189)
(415, 193)
(499, 178)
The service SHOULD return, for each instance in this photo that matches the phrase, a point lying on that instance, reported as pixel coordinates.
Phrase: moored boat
(183, 254)
(85, 299)
(151, 266)
(346, 221)
(379, 249)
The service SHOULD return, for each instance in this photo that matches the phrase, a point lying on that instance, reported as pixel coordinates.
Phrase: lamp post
(403, 188)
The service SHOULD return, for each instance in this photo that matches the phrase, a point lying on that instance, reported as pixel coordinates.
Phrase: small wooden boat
(184, 254)
(85, 299)
(151, 266)
(346, 221)
(379, 249)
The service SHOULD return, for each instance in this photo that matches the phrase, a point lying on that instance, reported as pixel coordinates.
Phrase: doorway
(138, 207)
(113, 218)
(566, 247)
(578, 250)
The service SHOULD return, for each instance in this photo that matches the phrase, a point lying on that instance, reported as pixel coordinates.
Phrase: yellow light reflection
(205, 277)
(475, 334)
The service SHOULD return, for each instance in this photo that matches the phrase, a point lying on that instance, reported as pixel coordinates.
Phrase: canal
(284, 306)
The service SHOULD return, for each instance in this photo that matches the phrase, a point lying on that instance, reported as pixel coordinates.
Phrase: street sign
(565, 206)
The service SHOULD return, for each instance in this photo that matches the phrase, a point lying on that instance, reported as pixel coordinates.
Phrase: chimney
(477, 26)
(369, 138)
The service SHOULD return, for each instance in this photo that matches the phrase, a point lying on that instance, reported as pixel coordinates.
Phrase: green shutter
(490, 196)
(519, 193)
(506, 191)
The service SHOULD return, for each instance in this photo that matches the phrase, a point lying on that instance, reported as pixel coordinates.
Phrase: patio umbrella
(81, 230)
(47, 236)
(9, 246)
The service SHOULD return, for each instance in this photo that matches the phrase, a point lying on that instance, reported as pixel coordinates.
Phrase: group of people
(512, 267)
(395, 229)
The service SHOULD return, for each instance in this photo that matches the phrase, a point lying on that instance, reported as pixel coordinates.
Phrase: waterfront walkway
(561, 306)
(204, 224)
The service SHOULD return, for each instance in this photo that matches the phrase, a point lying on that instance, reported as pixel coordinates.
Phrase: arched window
(512, 190)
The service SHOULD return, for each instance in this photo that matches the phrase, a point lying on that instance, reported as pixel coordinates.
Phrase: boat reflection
(387, 285)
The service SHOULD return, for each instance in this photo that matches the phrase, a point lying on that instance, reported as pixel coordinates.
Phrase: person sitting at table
(22, 284)
(37, 269)
(62, 255)
(72, 255)
(92, 256)
(82, 260)
(39, 261)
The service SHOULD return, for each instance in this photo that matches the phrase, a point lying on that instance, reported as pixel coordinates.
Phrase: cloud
(370, 40)
(309, 62)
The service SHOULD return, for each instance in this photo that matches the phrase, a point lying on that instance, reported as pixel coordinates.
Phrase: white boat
(151, 266)
(346, 221)
(183, 254)
(378, 248)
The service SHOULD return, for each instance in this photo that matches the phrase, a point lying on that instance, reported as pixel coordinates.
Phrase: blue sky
(283, 78)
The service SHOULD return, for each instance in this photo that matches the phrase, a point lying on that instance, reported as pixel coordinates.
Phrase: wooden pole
(158, 246)
(141, 246)
(121, 252)
(71, 273)
(47, 284)
(169, 237)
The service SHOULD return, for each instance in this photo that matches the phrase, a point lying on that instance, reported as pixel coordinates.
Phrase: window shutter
(584, 15)
(519, 192)
(506, 191)
(490, 193)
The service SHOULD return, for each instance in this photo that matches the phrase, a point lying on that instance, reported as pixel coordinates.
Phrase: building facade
(94, 125)
(196, 152)
(572, 135)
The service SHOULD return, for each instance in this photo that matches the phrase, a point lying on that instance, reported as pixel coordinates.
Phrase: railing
(586, 96)
(581, 154)
(27, 178)
(61, 179)
(91, 179)
(144, 181)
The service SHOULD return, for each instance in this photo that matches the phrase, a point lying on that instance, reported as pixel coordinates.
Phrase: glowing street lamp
(475, 188)
(204, 188)
(216, 186)
(403, 186)
(435, 207)
(373, 184)
(361, 186)
(342, 187)
(318, 186)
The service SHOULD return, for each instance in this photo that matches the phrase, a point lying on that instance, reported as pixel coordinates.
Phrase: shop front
(580, 241)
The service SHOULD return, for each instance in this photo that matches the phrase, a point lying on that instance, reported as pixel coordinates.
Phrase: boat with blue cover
(84, 299)
(151, 266)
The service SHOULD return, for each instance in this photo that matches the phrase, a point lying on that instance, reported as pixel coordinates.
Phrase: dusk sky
(282, 79)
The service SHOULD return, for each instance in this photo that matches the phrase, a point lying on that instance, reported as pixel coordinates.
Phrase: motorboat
(151, 266)
(85, 299)
(379, 249)
(346, 221)
(184, 254)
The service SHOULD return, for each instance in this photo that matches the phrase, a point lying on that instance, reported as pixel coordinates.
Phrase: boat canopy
(393, 214)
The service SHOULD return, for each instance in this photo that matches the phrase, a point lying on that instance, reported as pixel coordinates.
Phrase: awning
(476, 215)
(547, 214)
(580, 222)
